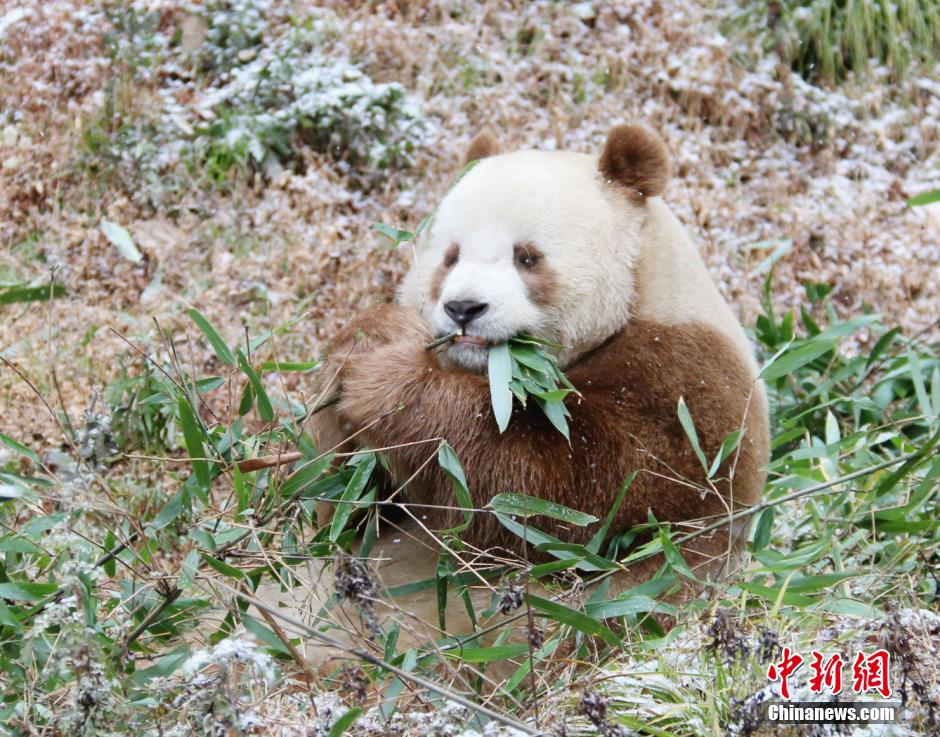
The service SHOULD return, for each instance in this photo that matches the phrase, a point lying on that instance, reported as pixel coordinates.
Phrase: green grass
(115, 572)
(824, 40)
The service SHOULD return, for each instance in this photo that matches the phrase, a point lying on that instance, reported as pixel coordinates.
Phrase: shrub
(255, 100)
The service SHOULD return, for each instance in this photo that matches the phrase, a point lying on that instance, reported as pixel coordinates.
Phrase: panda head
(537, 242)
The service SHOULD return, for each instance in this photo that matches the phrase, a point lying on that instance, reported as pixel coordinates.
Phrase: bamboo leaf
(222, 567)
(500, 374)
(489, 654)
(345, 722)
(396, 235)
(573, 618)
(353, 492)
(522, 505)
(192, 436)
(23, 591)
(795, 358)
(685, 419)
(121, 240)
(20, 293)
(265, 410)
(728, 446)
(765, 525)
(926, 198)
(597, 540)
(222, 350)
(18, 448)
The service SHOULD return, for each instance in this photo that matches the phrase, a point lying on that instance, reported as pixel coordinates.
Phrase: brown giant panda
(582, 251)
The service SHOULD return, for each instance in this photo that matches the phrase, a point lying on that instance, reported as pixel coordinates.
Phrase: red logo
(869, 672)
(826, 673)
(782, 671)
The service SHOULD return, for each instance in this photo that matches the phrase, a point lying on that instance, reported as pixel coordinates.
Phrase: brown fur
(483, 145)
(540, 279)
(636, 159)
(625, 420)
(437, 278)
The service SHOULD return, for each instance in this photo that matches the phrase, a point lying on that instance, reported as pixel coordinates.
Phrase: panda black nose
(464, 311)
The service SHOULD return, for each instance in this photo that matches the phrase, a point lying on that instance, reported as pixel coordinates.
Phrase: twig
(309, 676)
(256, 464)
(168, 598)
(441, 341)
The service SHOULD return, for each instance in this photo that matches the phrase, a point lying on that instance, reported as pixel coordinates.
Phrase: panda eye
(451, 255)
(526, 256)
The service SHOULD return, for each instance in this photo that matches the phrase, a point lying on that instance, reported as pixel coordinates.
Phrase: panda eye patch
(526, 256)
(451, 255)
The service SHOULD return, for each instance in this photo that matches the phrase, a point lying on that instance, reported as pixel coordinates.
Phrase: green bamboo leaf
(18, 448)
(500, 374)
(171, 510)
(489, 654)
(353, 492)
(573, 618)
(790, 360)
(673, 556)
(265, 635)
(522, 505)
(534, 358)
(728, 446)
(765, 526)
(23, 591)
(926, 198)
(190, 569)
(685, 419)
(265, 410)
(598, 538)
(396, 235)
(625, 606)
(19, 544)
(247, 400)
(581, 551)
(284, 366)
(920, 389)
(543, 569)
(772, 594)
(21, 293)
(304, 476)
(222, 567)
(345, 722)
(110, 568)
(557, 414)
(221, 348)
(449, 463)
(192, 435)
(820, 582)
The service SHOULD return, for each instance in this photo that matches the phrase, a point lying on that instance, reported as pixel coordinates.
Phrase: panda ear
(484, 144)
(635, 158)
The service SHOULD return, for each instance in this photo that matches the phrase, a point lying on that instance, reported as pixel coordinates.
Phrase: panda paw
(368, 331)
